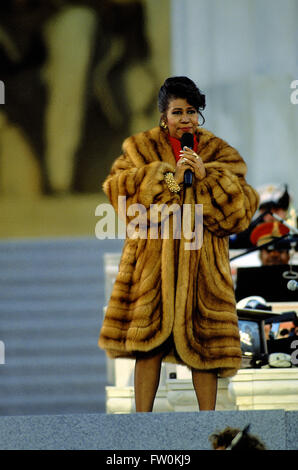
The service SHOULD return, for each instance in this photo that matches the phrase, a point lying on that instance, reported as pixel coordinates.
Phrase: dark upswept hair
(181, 87)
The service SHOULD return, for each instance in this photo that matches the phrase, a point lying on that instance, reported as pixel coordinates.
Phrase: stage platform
(143, 431)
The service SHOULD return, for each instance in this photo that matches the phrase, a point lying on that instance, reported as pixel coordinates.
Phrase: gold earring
(163, 124)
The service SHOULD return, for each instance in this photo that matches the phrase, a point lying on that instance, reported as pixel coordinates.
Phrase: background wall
(244, 55)
(79, 77)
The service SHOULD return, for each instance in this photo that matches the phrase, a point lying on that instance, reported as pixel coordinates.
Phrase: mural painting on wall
(72, 72)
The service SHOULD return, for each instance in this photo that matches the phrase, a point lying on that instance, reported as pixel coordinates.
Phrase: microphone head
(292, 285)
(187, 140)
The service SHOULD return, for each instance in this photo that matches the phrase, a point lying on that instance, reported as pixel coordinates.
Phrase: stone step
(143, 431)
(52, 294)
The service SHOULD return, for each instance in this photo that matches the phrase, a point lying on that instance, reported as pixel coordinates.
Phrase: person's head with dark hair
(222, 440)
(181, 87)
(180, 95)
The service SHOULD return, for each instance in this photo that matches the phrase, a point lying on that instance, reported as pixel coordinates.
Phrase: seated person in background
(274, 198)
(270, 279)
(265, 233)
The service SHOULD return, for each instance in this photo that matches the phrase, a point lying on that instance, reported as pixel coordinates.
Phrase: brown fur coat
(162, 289)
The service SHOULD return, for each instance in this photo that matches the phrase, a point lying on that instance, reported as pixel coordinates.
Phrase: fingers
(189, 154)
(186, 165)
(189, 164)
(184, 161)
(191, 160)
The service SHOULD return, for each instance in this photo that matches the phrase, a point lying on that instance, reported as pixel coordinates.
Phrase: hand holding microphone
(190, 163)
(187, 145)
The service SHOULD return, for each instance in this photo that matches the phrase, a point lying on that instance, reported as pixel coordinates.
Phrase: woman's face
(181, 117)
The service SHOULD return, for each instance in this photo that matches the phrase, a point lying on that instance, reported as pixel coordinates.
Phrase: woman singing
(170, 303)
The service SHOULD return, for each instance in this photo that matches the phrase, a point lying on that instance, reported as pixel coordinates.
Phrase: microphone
(187, 140)
(292, 285)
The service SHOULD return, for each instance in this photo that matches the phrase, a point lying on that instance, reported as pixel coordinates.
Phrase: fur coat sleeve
(229, 202)
(164, 291)
(139, 179)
